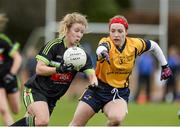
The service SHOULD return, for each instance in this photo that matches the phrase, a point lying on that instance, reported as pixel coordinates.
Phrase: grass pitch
(151, 114)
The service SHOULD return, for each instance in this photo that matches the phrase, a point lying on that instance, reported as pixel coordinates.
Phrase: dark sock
(21, 122)
(26, 121)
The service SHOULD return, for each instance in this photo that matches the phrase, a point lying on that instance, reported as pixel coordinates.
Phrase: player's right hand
(9, 78)
(64, 68)
(105, 55)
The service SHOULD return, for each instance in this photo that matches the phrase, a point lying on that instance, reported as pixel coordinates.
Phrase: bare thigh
(3, 101)
(39, 109)
(82, 114)
(14, 101)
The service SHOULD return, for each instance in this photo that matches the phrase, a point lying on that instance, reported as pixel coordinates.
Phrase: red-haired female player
(116, 58)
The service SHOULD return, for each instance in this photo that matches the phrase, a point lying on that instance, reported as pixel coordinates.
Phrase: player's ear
(126, 32)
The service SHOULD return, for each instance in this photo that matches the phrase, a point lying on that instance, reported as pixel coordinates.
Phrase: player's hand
(166, 72)
(64, 68)
(105, 55)
(94, 85)
(9, 78)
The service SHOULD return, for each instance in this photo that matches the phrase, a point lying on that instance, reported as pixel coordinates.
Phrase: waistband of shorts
(103, 84)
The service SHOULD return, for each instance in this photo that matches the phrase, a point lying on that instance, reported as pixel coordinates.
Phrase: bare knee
(41, 121)
(3, 110)
(16, 109)
(115, 120)
(77, 123)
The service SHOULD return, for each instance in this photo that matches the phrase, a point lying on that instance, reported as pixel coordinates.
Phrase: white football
(75, 56)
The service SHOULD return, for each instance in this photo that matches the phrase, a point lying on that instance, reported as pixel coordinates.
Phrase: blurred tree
(124, 4)
(27, 15)
(24, 16)
(99, 10)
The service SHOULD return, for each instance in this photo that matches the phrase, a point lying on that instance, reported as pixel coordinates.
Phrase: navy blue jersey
(57, 84)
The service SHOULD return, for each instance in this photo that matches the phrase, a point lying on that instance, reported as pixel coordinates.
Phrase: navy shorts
(10, 88)
(31, 95)
(104, 93)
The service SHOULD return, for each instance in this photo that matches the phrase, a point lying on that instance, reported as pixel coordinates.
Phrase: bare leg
(6, 116)
(40, 111)
(14, 101)
(82, 114)
(115, 111)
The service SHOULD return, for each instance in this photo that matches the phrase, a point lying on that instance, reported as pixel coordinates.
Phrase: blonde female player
(50, 83)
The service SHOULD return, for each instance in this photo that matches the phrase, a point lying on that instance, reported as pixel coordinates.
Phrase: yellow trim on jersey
(118, 72)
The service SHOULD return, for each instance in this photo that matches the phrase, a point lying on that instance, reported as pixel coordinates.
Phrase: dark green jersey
(7, 48)
(57, 84)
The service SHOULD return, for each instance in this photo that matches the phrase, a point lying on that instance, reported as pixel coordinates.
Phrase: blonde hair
(70, 19)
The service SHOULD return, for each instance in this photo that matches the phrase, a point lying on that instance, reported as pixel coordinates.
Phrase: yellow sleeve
(105, 40)
(140, 45)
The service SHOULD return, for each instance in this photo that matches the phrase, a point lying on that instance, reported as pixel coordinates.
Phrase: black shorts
(10, 88)
(98, 97)
(31, 95)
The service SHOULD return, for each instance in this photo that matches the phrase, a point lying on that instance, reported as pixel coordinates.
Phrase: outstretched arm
(166, 71)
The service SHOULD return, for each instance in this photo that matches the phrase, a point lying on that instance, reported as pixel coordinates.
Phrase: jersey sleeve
(47, 53)
(14, 48)
(141, 45)
(7, 47)
(88, 64)
(104, 42)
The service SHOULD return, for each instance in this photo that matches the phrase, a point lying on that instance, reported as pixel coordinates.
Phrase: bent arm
(44, 70)
(17, 60)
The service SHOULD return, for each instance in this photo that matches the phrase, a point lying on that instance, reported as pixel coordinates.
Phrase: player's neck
(120, 45)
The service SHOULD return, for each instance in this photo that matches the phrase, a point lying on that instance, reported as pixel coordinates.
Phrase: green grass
(159, 114)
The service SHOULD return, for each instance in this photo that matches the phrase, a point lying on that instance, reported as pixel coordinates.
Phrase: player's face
(75, 33)
(118, 34)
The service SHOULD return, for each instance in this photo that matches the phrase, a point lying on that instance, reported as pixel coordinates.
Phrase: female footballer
(116, 58)
(52, 81)
(10, 63)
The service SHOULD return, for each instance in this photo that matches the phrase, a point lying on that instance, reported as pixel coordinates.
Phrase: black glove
(105, 55)
(64, 68)
(9, 78)
(166, 72)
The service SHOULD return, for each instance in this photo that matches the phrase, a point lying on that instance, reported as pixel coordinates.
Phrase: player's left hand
(105, 55)
(166, 72)
(9, 78)
(64, 68)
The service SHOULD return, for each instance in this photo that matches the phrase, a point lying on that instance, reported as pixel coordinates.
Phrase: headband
(119, 20)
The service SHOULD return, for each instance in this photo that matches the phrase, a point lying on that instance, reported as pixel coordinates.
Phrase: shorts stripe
(27, 97)
(31, 120)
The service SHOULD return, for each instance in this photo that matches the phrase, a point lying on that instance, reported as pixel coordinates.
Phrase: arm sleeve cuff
(89, 71)
(43, 59)
(14, 49)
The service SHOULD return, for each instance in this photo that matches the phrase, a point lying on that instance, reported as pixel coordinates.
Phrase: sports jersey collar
(123, 46)
(65, 42)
